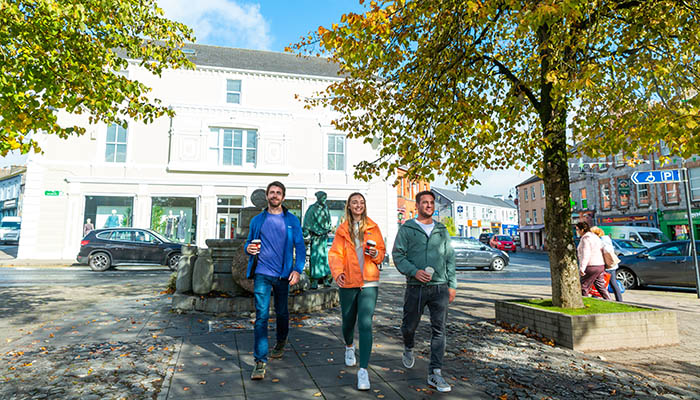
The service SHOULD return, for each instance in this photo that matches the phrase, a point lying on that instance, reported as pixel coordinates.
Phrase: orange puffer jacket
(343, 258)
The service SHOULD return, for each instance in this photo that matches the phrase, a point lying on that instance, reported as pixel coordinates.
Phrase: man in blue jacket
(270, 265)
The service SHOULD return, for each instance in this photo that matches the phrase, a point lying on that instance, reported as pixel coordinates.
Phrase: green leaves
(66, 55)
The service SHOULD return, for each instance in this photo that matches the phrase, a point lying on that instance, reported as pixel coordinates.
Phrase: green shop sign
(679, 215)
(52, 193)
(623, 187)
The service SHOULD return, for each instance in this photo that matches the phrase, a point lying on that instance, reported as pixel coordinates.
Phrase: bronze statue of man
(317, 225)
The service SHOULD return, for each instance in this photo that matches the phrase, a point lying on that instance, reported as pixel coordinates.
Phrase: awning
(531, 228)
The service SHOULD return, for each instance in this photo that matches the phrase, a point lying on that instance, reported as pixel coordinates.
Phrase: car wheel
(100, 262)
(173, 260)
(626, 278)
(497, 264)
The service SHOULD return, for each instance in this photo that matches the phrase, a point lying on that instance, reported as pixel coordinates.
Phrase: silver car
(668, 264)
(473, 253)
(627, 247)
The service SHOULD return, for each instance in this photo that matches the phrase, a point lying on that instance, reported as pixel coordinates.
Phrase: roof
(529, 180)
(454, 195)
(258, 60)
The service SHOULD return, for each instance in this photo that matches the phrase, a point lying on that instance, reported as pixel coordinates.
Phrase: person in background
(354, 258)
(591, 262)
(611, 269)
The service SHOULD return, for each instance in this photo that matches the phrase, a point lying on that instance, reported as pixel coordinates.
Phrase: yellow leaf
(317, 394)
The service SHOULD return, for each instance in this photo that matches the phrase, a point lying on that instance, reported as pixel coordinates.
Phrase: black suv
(485, 238)
(103, 248)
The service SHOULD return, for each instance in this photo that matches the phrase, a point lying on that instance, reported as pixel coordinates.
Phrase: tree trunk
(566, 283)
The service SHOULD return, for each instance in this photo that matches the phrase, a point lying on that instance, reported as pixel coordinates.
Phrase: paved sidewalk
(136, 348)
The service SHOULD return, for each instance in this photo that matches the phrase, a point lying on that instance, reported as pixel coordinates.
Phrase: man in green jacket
(423, 253)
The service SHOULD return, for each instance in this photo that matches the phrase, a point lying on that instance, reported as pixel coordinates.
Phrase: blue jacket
(293, 241)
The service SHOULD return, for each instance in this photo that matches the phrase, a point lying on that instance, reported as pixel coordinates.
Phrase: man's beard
(274, 202)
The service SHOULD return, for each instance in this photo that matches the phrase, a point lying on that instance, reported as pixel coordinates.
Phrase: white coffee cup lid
(430, 270)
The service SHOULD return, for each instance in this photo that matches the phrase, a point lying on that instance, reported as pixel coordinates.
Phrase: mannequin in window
(88, 227)
(170, 223)
(181, 226)
(112, 220)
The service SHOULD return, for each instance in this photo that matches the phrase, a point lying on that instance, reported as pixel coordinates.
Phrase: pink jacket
(590, 251)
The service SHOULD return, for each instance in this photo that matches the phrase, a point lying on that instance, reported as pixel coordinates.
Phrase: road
(81, 276)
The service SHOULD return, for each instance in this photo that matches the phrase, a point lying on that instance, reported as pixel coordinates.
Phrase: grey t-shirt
(427, 228)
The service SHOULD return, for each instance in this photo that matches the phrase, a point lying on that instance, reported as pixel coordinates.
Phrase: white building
(238, 126)
(474, 214)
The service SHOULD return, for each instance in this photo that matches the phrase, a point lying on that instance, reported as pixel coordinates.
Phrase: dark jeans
(594, 277)
(614, 284)
(264, 287)
(436, 297)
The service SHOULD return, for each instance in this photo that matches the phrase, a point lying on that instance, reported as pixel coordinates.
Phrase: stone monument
(317, 225)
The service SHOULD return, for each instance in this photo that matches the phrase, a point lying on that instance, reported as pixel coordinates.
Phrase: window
(532, 192)
(543, 215)
(675, 250)
(108, 211)
(603, 163)
(619, 160)
(605, 196)
(584, 198)
(694, 179)
(233, 146)
(175, 218)
(403, 188)
(534, 216)
(527, 217)
(122, 236)
(542, 188)
(336, 153)
(115, 145)
(233, 91)
(525, 194)
(671, 193)
(643, 195)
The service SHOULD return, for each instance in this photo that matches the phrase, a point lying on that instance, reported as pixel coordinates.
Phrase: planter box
(305, 302)
(596, 331)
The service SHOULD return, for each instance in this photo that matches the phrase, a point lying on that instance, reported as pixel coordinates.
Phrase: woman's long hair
(351, 221)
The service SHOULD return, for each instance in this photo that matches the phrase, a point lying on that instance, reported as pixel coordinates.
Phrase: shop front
(532, 236)
(495, 228)
(511, 230)
(109, 211)
(675, 224)
(648, 219)
(175, 218)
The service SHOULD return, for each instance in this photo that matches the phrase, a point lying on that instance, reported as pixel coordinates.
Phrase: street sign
(460, 209)
(659, 176)
(52, 193)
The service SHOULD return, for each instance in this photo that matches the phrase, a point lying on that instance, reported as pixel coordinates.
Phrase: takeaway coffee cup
(257, 243)
(430, 271)
(370, 245)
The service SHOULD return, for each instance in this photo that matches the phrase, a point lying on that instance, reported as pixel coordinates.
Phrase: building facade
(531, 209)
(11, 190)
(406, 192)
(239, 125)
(603, 194)
(475, 214)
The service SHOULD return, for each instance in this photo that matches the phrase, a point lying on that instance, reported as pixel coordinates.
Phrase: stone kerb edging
(596, 331)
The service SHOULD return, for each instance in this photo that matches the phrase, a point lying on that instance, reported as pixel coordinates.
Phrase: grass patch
(592, 306)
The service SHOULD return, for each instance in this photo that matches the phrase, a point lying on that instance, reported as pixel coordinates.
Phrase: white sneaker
(350, 356)
(407, 358)
(362, 379)
(435, 379)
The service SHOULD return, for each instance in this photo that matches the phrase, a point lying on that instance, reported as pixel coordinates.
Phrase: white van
(644, 235)
(9, 229)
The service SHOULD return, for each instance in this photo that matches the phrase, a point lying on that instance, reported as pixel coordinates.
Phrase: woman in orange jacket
(358, 249)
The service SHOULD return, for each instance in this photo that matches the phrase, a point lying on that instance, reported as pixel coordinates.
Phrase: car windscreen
(9, 224)
(504, 238)
(628, 244)
(654, 237)
(162, 238)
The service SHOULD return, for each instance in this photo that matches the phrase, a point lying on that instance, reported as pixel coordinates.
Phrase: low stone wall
(304, 302)
(638, 329)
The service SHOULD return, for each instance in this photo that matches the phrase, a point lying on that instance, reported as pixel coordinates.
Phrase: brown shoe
(258, 371)
(278, 350)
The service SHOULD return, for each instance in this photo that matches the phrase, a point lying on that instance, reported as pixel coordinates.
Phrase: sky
(273, 25)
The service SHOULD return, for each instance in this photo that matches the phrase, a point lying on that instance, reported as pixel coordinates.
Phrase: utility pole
(691, 228)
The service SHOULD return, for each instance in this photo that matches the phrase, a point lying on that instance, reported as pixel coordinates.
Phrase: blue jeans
(265, 286)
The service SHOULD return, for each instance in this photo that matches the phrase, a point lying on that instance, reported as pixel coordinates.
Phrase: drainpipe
(170, 137)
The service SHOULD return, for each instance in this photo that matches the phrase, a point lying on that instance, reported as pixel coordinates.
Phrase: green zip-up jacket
(414, 250)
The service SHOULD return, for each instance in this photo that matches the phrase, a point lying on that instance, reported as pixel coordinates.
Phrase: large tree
(457, 85)
(69, 54)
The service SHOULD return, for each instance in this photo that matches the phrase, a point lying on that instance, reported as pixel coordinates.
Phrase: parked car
(472, 253)
(644, 235)
(668, 264)
(502, 242)
(485, 238)
(102, 249)
(627, 247)
(9, 229)
(516, 240)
